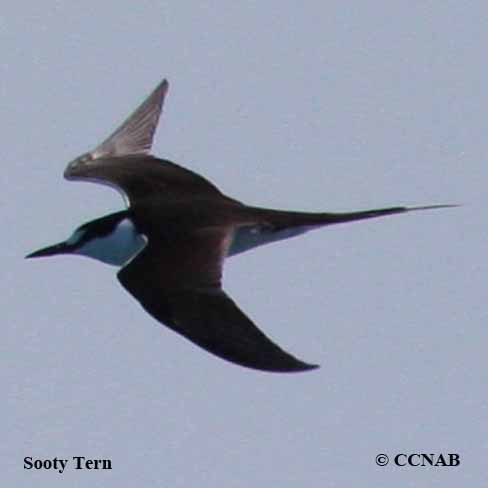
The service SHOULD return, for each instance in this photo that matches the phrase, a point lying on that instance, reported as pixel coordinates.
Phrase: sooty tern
(173, 238)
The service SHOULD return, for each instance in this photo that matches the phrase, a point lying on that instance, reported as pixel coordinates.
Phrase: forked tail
(276, 225)
(337, 218)
(278, 219)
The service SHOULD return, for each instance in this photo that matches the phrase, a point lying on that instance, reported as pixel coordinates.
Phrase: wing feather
(179, 285)
(135, 135)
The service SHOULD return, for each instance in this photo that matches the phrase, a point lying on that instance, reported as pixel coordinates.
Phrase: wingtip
(283, 366)
(308, 367)
(161, 90)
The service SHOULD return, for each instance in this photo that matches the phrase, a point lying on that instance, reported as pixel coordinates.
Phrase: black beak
(60, 248)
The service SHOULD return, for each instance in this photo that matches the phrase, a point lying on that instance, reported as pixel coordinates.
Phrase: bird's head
(111, 239)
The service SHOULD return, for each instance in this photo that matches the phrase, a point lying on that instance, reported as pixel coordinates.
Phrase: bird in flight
(172, 239)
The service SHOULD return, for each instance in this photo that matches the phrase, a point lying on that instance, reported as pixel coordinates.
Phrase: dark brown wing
(140, 176)
(178, 283)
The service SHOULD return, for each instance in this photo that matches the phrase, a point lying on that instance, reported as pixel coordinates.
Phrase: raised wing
(123, 160)
(177, 281)
(135, 135)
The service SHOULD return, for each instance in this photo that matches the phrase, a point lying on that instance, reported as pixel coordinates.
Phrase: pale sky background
(300, 105)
